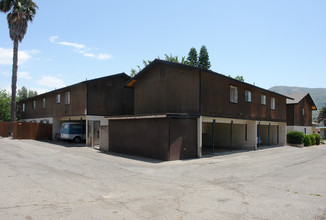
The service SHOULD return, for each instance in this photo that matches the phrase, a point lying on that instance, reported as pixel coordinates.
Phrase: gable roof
(298, 97)
(131, 83)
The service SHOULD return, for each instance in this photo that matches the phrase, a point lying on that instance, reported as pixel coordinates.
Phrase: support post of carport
(213, 125)
(231, 127)
(199, 136)
(269, 133)
(258, 136)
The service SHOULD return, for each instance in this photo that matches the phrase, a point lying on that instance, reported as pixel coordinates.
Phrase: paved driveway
(49, 181)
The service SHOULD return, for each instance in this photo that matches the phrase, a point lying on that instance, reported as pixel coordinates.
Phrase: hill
(317, 94)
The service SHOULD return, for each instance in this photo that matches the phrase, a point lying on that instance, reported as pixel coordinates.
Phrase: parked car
(73, 131)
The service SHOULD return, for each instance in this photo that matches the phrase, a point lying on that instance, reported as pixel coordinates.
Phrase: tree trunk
(14, 87)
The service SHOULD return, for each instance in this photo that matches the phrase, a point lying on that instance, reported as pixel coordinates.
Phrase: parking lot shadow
(65, 143)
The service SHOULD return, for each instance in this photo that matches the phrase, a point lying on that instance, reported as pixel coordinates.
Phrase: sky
(268, 42)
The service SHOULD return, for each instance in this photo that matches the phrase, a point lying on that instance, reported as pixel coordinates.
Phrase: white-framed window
(302, 111)
(43, 102)
(247, 95)
(233, 94)
(273, 103)
(58, 98)
(34, 105)
(67, 98)
(24, 107)
(263, 99)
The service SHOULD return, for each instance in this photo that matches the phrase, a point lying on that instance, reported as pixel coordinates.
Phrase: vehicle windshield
(64, 128)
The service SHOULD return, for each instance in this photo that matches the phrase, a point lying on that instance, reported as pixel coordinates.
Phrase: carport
(226, 134)
(267, 134)
(57, 122)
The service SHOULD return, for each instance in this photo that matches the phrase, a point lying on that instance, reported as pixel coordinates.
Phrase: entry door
(94, 133)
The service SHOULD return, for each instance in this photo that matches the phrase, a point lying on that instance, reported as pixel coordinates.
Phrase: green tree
(175, 59)
(240, 78)
(32, 93)
(20, 12)
(322, 114)
(192, 58)
(203, 60)
(5, 101)
(22, 93)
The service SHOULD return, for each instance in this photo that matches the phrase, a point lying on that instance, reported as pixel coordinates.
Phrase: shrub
(313, 139)
(295, 137)
(317, 136)
(306, 140)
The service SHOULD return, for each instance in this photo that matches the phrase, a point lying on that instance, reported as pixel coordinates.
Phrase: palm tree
(322, 114)
(20, 12)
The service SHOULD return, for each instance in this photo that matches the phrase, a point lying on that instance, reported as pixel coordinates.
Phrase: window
(43, 103)
(24, 107)
(34, 105)
(302, 111)
(263, 99)
(273, 103)
(58, 98)
(247, 95)
(67, 98)
(234, 94)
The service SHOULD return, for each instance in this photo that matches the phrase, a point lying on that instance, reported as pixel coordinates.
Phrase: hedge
(317, 136)
(313, 139)
(295, 137)
(306, 140)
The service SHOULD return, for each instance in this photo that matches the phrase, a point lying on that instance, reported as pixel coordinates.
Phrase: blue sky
(268, 42)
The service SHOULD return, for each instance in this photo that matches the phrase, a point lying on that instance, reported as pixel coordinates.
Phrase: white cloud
(81, 48)
(53, 39)
(6, 55)
(103, 56)
(75, 45)
(89, 54)
(51, 82)
(24, 75)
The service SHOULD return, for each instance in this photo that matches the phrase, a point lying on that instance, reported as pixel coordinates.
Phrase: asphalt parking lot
(40, 180)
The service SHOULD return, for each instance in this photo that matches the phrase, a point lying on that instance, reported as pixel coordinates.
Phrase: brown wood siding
(306, 119)
(76, 107)
(110, 97)
(106, 96)
(167, 88)
(216, 100)
(289, 114)
(160, 138)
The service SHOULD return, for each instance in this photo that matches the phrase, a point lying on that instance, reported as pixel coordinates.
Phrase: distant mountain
(317, 94)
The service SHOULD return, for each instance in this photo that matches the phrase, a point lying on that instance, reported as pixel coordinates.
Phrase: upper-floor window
(24, 107)
(263, 99)
(247, 95)
(302, 111)
(234, 94)
(34, 105)
(43, 102)
(67, 98)
(272, 103)
(58, 98)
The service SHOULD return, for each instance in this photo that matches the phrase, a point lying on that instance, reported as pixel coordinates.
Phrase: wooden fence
(27, 130)
(4, 129)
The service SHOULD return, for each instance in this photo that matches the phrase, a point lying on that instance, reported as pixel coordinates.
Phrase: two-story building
(299, 113)
(86, 102)
(182, 111)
